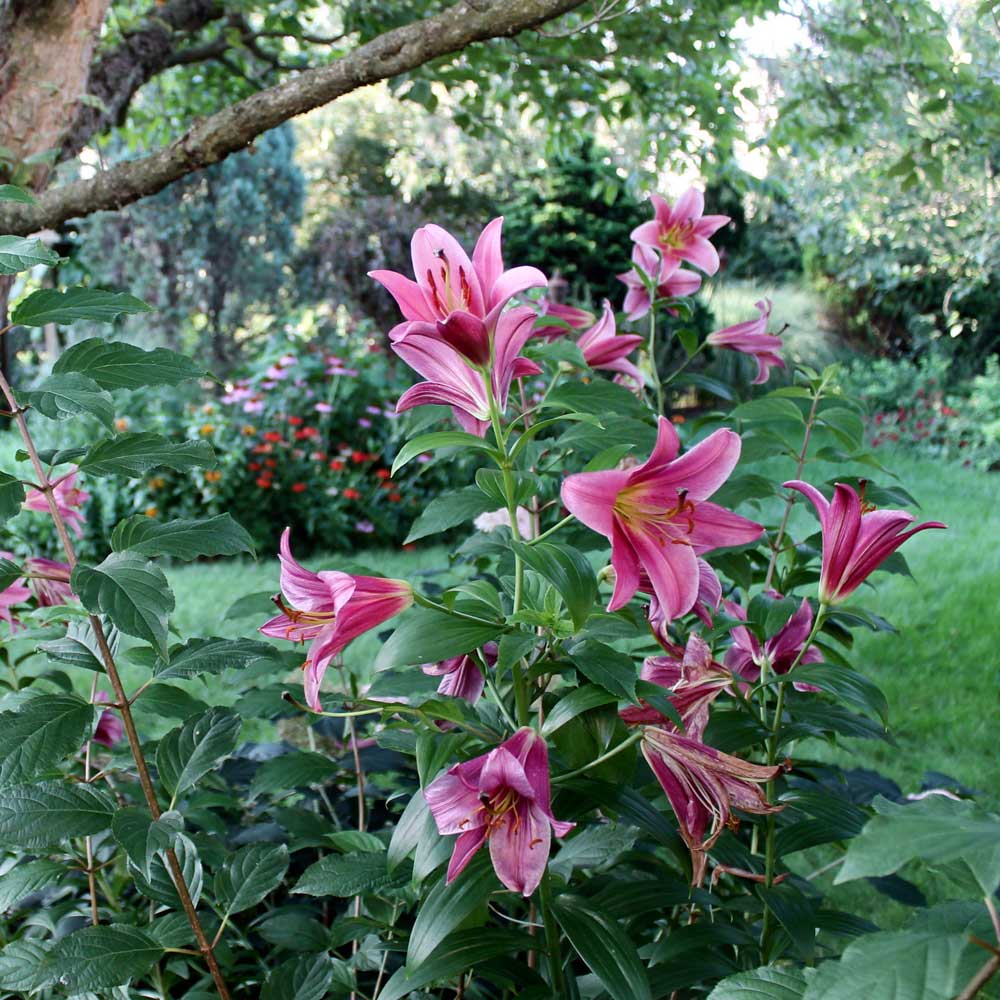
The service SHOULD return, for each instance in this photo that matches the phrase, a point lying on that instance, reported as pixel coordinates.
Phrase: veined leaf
(11, 497)
(135, 454)
(43, 814)
(344, 875)
(187, 539)
(59, 397)
(115, 365)
(212, 656)
(39, 734)
(20, 254)
(249, 875)
(427, 636)
(441, 439)
(49, 305)
(187, 753)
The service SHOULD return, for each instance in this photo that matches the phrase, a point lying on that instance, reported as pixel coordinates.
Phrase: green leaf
(796, 913)
(42, 815)
(408, 830)
(39, 734)
(932, 959)
(441, 439)
(298, 769)
(448, 510)
(604, 946)
(427, 636)
(344, 875)
(845, 683)
(160, 885)
(21, 964)
(189, 752)
(615, 672)
(306, 978)
(8, 192)
(578, 701)
(28, 878)
(568, 571)
(212, 656)
(98, 958)
(448, 907)
(9, 572)
(114, 365)
(185, 539)
(11, 497)
(133, 455)
(132, 592)
(768, 408)
(59, 397)
(770, 982)
(599, 397)
(249, 875)
(708, 384)
(142, 837)
(251, 605)
(459, 952)
(49, 305)
(20, 254)
(934, 829)
(78, 647)
(593, 847)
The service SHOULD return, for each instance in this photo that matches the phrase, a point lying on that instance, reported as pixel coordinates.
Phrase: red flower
(383, 473)
(351, 494)
(264, 483)
(295, 421)
(271, 463)
(336, 465)
(272, 436)
(253, 466)
(358, 457)
(395, 497)
(299, 487)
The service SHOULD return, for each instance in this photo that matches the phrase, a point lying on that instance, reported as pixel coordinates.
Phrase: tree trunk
(46, 49)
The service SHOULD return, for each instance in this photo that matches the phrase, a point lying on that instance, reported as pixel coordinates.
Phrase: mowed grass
(941, 672)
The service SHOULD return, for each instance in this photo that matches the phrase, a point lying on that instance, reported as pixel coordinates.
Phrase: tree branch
(235, 127)
(118, 74)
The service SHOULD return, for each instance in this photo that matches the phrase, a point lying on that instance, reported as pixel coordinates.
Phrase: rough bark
(117, 74)
(236, 126)
(48, 46)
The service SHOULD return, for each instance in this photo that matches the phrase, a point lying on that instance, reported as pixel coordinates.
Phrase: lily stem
(773, 744)
(551, 937)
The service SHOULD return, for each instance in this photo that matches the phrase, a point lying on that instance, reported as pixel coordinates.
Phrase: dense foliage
(627, 742)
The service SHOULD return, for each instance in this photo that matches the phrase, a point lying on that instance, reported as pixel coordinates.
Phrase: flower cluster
(464, 334)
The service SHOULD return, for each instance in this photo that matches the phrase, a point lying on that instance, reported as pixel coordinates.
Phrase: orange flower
(122, 424)
(156, 483)
(678, 418)
(151, 512)
(206, 429)
(213, 476)
(249, 429)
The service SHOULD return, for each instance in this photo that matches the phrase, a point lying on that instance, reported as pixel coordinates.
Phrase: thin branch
(212, 139)
(107, 658)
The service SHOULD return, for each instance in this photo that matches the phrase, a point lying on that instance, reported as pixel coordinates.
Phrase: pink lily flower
(68, 499)
(672, 281)
(746, 655)
(52, 588)
(571, 317)
(657, 517)
(328, 610)
(109, 729)
(502, 797)
(452, 381)
(707, 602)
(681, 233)
(693, 679)
(605, 349)
(16, 593)
(450, 284)
(751, 337)
(857, 538)
(461, 676)
(703, 786)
